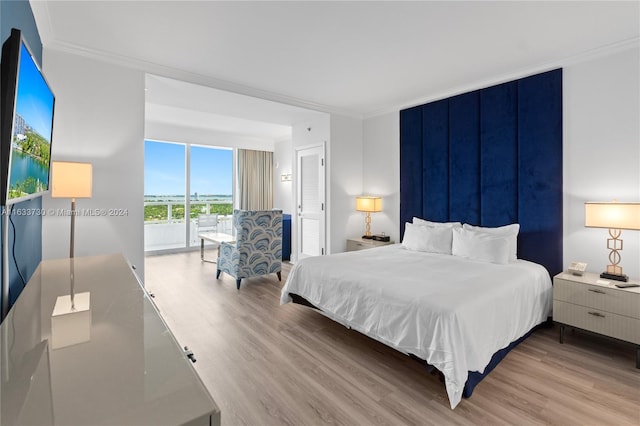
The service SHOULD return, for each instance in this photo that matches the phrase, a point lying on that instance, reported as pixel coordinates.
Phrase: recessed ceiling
(184, 104)
(357, 57)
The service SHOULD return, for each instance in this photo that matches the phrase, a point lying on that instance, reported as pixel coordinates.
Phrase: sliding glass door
(211, 189)
(164, 195)
(173, 170)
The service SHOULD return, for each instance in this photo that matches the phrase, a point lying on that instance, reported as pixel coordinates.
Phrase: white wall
(166, 132)
(381, 160)
(99, 119)
(342, 137)
(283, 163)
(601, 155)
(345, 181)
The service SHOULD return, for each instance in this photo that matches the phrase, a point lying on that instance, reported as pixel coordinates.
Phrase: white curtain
(255, 179)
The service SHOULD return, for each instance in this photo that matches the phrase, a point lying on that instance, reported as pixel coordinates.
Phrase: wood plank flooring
(267, 364)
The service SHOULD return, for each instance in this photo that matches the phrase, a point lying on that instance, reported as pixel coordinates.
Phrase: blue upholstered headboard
(490, 157)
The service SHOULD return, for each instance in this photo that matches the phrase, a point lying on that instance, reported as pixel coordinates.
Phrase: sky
(164, 169)
(35, 99)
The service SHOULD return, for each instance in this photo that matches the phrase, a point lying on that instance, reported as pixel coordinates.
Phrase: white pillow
(481, 246)
(426, 238)
(419, 221)
(510, 231)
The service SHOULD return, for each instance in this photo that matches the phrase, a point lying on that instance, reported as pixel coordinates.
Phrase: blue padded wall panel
(540, 167)
(499, 155)
(464, 158)
(411, 165)
(435, 152)
(491, 157)
(508, 170)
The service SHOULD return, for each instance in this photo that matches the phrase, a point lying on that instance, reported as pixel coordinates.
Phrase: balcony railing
(165, 225)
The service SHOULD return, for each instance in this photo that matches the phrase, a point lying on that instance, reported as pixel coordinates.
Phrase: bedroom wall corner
(345, 181)
(601, 152)
(99, 119)
(381, 170)
(283, 164)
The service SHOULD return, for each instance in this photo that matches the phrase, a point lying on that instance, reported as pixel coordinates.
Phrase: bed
(490, 158)
(411, 301)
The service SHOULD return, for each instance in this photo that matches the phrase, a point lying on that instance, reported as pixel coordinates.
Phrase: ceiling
(358, 58)
(183, 104)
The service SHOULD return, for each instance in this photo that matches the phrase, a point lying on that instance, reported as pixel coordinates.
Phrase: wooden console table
(116, 364)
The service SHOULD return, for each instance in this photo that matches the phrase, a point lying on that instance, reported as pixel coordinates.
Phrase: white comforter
(452, 312)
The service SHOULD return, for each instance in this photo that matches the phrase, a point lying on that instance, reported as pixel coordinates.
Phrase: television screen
(27, 123)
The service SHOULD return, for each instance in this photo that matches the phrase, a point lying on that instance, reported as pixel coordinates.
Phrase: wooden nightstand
(588, 303)
(354, 244)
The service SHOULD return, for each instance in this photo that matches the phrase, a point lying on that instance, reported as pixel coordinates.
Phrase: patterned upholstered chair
(258, 246)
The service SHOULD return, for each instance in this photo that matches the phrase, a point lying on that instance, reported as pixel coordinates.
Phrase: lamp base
(367, 237)
(71, 322)
(616, 277)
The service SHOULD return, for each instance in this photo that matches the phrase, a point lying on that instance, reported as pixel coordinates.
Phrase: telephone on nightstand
(577, 268)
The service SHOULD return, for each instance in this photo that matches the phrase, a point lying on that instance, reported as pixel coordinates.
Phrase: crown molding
(169, 72)
(190, 77)
(607, 50)
(42, 16)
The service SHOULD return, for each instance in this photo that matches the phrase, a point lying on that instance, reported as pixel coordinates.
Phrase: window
(211, 187)
(172, 170)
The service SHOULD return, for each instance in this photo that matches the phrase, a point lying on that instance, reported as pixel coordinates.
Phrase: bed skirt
(476, 377)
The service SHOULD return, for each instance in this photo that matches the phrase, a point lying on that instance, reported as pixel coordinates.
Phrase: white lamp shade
(368, 204)
(612, 215)
(71, 180)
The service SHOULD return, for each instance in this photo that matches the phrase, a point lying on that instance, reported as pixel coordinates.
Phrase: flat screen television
(26, 124)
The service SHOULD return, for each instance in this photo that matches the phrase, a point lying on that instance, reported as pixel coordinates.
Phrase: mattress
(452, 312)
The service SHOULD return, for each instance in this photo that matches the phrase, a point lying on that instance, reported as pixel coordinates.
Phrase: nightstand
(354, 244)
(594, 304)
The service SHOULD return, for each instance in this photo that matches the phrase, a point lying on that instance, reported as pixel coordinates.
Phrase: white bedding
(452, 312)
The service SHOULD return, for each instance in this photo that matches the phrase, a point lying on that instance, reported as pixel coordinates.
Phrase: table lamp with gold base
(616, 217)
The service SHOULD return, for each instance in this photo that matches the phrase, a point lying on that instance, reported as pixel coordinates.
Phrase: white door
(310, 198)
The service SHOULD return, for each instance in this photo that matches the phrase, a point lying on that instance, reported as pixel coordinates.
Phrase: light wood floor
(267, 364)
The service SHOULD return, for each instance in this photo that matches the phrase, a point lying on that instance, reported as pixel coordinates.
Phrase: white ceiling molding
(357, 59)
(561, 63)
(215, 122)
(189, 77)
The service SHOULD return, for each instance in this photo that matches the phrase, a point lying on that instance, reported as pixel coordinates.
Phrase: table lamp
(71, 180)
(71, 317)
(368, 205)
(615, 216)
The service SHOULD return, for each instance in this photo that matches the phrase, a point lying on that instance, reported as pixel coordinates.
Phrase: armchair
(258, 246)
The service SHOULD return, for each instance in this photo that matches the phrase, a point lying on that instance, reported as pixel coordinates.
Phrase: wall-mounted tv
(26, 124)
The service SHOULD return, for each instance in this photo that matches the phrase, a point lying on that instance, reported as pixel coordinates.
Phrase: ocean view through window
(173, 170)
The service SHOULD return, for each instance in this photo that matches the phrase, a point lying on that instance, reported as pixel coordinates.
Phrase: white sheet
(452, 312)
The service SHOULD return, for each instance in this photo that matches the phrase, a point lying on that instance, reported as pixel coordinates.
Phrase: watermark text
(111, 212)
